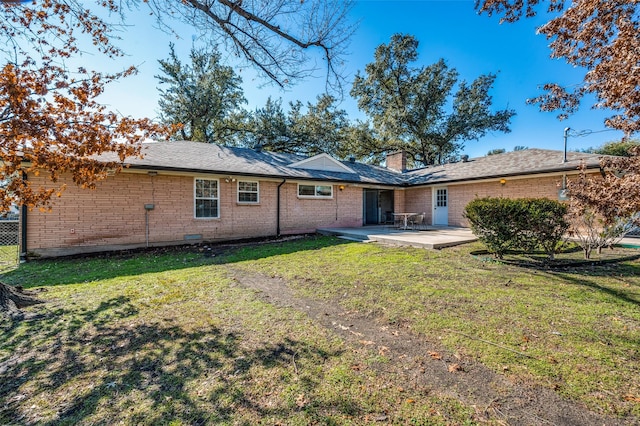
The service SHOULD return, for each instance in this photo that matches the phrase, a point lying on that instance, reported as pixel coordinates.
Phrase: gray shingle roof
(525, 162)
(211, 158)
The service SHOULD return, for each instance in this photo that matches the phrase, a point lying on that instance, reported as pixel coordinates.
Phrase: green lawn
(8, 257)
(166, 336)
(579, 329)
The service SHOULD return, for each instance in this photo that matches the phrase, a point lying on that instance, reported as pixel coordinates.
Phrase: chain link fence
(9, 241)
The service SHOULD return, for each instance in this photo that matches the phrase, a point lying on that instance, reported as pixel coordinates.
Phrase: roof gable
(322, 162)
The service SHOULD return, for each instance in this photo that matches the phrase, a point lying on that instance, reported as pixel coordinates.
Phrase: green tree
(268, 127)
(323, 128)
(408, 105)
(205, 98)
(309, 129)
(621, 148)
(363, 143)
(496, 151)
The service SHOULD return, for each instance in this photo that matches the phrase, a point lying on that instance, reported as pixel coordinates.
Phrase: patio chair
(388, 218)
(417, 221)
(398, 221)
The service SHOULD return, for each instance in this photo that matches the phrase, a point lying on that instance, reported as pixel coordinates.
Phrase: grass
(8, 257)
(167, 336)
(579, 329)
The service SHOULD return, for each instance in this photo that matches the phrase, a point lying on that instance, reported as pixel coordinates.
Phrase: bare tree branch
(598, 35)
(278, 37)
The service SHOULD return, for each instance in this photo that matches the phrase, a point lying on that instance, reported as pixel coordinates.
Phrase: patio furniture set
(414, 221)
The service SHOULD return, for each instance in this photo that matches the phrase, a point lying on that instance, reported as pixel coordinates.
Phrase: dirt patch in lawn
(423, 363)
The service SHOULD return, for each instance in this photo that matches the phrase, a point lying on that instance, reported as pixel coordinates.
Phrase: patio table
(405, 217)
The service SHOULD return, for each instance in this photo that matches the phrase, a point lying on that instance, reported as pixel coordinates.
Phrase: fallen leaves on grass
(435, 355)
(455, 367)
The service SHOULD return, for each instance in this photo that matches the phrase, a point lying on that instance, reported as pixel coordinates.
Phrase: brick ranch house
(186, 192)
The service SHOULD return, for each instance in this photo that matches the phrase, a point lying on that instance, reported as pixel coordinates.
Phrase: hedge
(524, 224)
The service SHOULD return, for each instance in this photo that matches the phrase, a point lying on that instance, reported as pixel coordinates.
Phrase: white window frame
(257, 192)
(196, 198)
(316, 195)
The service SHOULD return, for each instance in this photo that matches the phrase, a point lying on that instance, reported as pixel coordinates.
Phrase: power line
(587, 132)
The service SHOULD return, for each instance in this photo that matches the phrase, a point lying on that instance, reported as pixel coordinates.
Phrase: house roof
(186, 156)
(189, 156)
(515, 163)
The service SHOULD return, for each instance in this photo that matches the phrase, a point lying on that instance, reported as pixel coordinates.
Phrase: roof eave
(505, 175)
(257, 175)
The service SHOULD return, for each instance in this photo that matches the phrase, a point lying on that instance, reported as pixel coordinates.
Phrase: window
(441, 197)
(206, 198)
(315, 191)
(248, 192)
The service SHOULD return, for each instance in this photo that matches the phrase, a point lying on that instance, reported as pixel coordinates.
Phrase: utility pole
(566, 135)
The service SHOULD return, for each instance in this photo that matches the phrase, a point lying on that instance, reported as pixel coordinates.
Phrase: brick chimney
(397, 161)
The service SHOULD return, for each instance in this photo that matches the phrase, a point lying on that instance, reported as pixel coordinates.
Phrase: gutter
(496, 176)
(278, 208)
(257, 175)
(406, 178)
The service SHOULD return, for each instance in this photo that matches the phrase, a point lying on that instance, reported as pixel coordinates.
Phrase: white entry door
(440, 206)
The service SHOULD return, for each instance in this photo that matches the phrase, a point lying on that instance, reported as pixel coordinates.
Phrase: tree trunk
(12, 299)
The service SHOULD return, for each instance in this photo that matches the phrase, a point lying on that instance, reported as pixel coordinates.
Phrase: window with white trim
(248, 192)
(206, 198)
(315, 191)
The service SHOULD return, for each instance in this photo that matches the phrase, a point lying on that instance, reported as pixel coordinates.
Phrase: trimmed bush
(491, 220)
(526, 224)
(547, 224)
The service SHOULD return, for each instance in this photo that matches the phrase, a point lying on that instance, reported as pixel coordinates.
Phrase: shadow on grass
(61, 271)
(618, 272)
(109, 371)
(623, 268)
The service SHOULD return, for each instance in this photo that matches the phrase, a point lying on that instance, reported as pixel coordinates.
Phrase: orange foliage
(598, 35)
(50, 120)
(604, 208)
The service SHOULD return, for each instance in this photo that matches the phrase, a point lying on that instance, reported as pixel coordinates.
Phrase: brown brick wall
(397, 161)
(306, 215)
(113, 215)
(461, 195)
(419, 201)
(399, 201)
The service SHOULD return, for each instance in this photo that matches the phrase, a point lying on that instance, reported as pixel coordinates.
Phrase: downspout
(278, 208)
(23, 228)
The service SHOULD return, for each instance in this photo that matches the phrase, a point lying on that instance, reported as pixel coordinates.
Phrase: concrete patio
(434, 237)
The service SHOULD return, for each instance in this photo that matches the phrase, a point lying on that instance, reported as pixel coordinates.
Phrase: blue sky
(449, 29)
